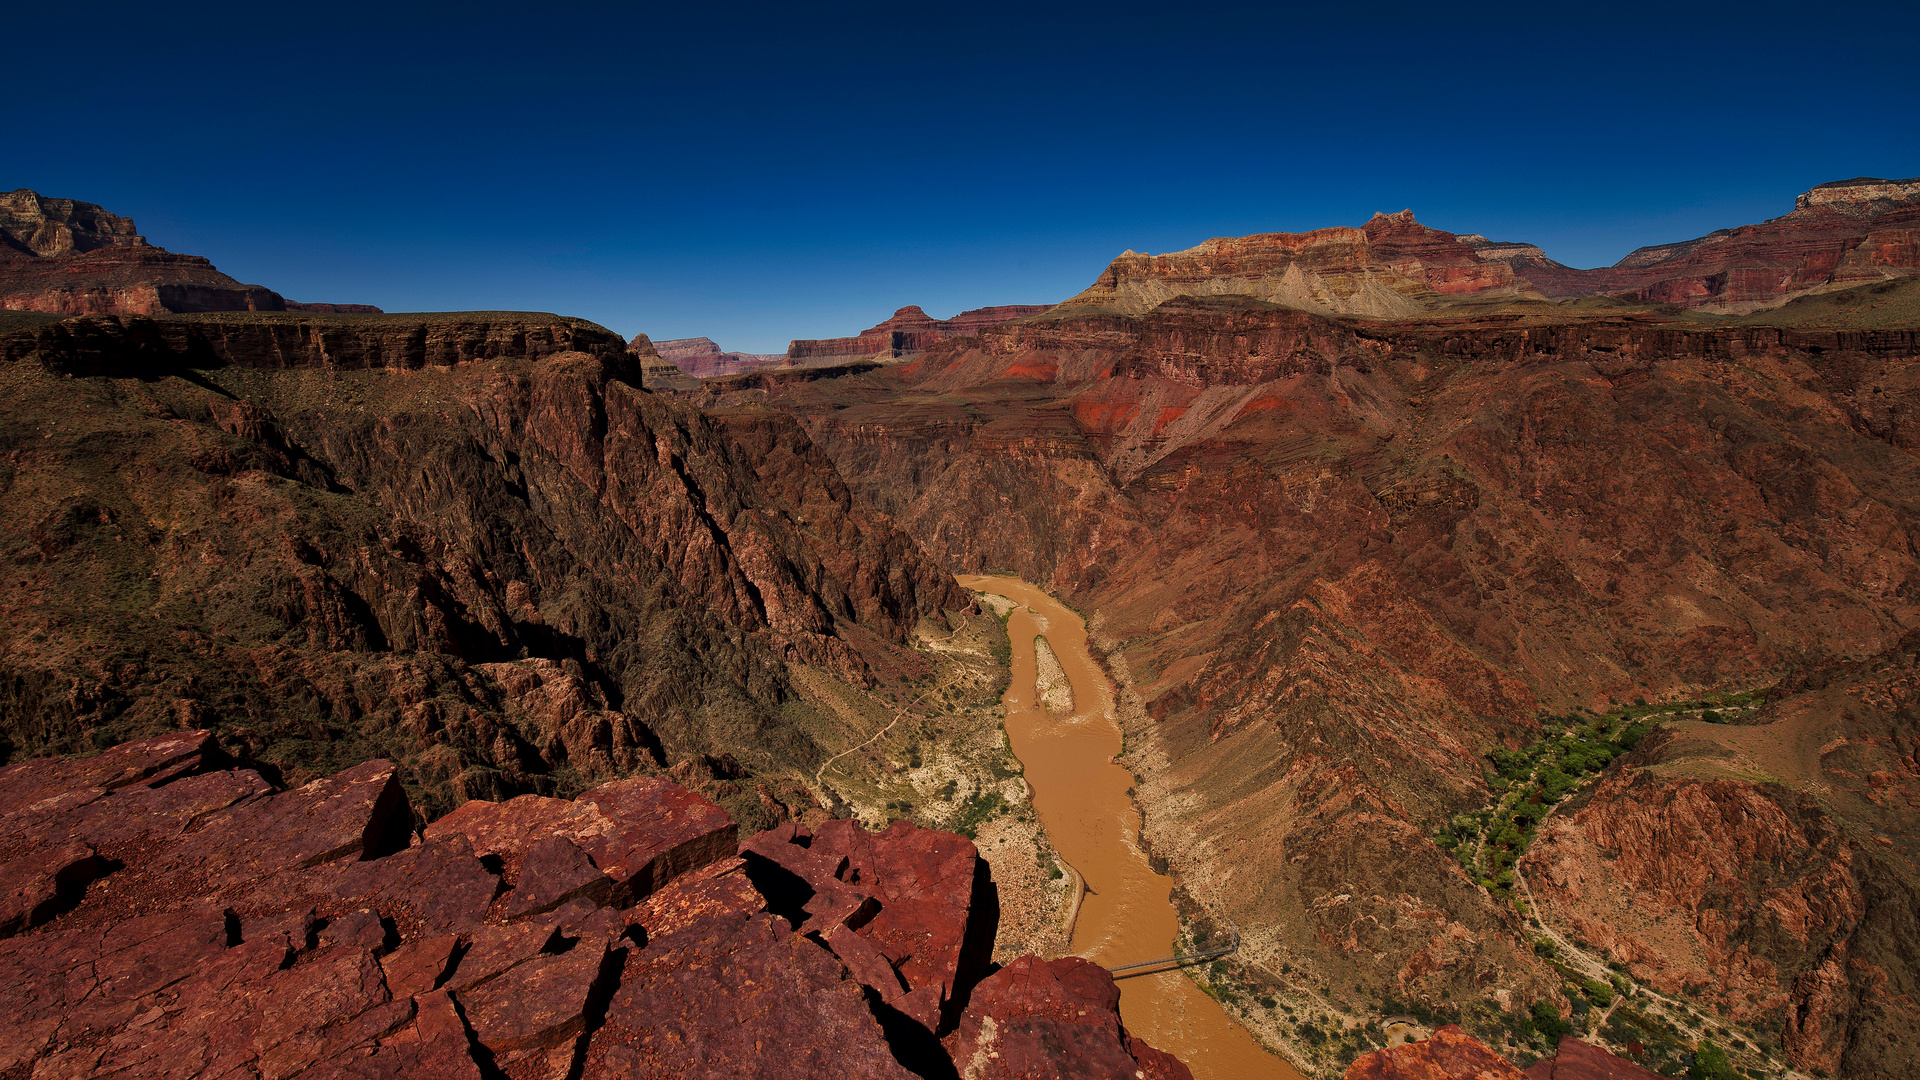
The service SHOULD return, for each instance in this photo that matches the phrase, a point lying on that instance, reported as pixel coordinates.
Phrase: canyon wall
(465, 545)
(1334, 562)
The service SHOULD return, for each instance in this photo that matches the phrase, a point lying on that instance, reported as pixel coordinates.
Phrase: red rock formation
(1392, 266)
(1451, 1054)
(1839, 233)
(490, 561)
(910, 911)
(1337, 561)
(1766, 867)
(1046, 1018)
(909, 331)
(221, 927)
(74, 258)
(701, 358)
(1577, 1060)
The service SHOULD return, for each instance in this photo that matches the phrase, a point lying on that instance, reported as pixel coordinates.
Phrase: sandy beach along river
(1081, 796)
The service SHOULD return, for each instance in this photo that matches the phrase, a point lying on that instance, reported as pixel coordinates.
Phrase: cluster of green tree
(1529, 781)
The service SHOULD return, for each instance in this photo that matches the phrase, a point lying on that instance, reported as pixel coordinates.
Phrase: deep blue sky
(760, 173)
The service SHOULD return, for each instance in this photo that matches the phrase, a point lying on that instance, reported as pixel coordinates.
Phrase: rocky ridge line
(67, 257)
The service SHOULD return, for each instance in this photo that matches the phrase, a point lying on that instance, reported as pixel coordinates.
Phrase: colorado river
(1081, 796)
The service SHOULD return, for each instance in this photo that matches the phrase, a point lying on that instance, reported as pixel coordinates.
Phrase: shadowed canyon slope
(470, 543)
(1336, 561)
(73, 258)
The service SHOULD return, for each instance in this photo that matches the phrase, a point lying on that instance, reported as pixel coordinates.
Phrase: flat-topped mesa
(67, 257)
(1391, 267)
(1838, 234)
(909, 331)
(703, 359)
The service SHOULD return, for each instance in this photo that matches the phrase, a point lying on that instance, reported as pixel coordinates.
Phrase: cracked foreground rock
(168, 914)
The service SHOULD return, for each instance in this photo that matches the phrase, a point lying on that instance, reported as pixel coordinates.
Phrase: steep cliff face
(1837, 234)
(1391, 266)
(701, 358)
(909, 331)
(68, 257)
(1336, 561)
(1769, 867)
(510, 569)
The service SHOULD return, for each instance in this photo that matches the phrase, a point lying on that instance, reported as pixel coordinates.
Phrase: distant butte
(701, 358)
(66, 257)
(909, 331)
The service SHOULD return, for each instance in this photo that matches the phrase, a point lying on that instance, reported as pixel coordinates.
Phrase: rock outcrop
(1451, 1054)
(1577, 1060)
(462, 544)
(909, 331)
(68, 257)
(185, 917)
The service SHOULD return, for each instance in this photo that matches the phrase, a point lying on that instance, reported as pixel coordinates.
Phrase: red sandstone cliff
(701, 358)
(1841, 233)
(909, 331)
(1837, 234)
(1392, 266)
(68, 257)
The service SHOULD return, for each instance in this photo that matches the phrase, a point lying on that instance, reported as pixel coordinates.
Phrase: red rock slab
(1451, 1054)
(434, 1046)
(553, 871)
(539, 1009)
(642, 832)
(1577, 1060)
(34, 887)
(938, 906)
(738, 997)
(361, 811)
(1037, 1018)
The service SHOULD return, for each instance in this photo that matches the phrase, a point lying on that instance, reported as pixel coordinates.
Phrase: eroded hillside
(1335, 562)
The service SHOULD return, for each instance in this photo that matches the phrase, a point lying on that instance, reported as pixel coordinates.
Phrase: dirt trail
(1082, 798)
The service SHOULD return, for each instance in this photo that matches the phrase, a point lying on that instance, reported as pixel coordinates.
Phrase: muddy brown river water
(1081, 796)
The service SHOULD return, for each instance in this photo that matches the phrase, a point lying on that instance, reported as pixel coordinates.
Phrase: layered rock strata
(1333, 562)
(909, 331)
(703, 359)
(74, 258)
(1837, 234)
(1391, 266)
(454, 544)
(180, 916)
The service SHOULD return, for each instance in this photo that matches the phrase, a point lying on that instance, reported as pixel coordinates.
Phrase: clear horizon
(756, 175)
